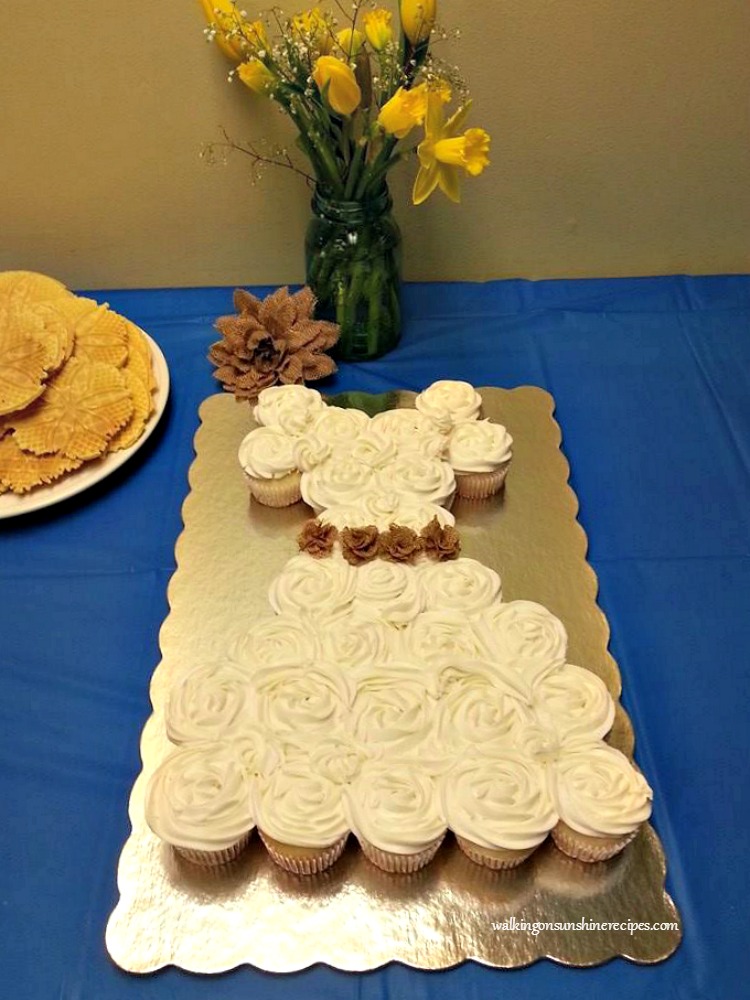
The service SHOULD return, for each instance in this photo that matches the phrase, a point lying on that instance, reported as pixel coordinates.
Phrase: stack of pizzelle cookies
(76, 381)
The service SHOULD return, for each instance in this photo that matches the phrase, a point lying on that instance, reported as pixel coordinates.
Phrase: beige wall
(621, 146)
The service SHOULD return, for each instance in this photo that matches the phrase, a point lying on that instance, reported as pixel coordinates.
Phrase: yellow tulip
(418, 19)
(342, 91)
(255, 35)
(407, 108)
(350, 41)
(221, 15)
(256, 76)
(443, 153)
(378, 28)
(313, 28)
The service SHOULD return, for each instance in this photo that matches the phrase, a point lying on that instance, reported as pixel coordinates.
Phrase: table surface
(652, 383)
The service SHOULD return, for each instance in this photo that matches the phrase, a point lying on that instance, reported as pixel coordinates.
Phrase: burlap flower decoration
(400, 544)
(359, 545)
(317, 539)
(270, 342)
(440, 543)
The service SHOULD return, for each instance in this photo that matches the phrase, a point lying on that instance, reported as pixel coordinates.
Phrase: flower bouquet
(356, 88)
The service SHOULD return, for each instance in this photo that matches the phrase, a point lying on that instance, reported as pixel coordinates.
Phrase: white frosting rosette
(318, 586)
(418, 477)
(478, 446)
(488, 717)
(372, 448)
(393, 710)
(310, 451)
(525, 636)
(462, 585)
(277, 641)
(199, 798)
(211, 702)
(301, 699)
(299, 807)
(384, 509)
(598, 792)
(387, 592)
(338, 481)
(446, 403)
(291, 408)
(452, 672)
(498, 801)
(574, 703)
(336, 755)
(266, 453)
(410, 431)
(337, 425)
(436, 636)
(257, 750)
(395, 807)
(542, 744)
(351, 640)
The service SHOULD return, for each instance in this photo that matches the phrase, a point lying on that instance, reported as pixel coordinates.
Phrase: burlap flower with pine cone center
(270, 342)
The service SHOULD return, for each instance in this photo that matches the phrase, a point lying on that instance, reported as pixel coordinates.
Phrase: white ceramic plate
(92, 472)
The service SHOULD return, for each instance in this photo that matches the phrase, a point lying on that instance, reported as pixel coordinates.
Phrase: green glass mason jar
(353, 265)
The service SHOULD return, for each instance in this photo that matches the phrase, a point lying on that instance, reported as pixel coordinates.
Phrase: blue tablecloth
(652, 383)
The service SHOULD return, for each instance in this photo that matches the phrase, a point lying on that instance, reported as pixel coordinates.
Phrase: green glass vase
(353, 265)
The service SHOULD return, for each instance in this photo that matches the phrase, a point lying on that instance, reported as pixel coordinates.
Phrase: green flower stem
(354, 169)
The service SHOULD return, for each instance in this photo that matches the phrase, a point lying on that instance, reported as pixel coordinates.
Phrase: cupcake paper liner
(481, 485)
(589, 849)
(498, 858)
(213, 859)
(317, 860)
(276, 492)
(402, 863)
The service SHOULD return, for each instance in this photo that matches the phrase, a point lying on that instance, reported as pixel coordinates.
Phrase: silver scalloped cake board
(354, 916)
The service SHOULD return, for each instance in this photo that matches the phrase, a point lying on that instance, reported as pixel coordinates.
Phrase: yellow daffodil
(418, 19)
(407, 108)
(313, 28)
(378, 28)
(337, 80)
(256, 76)
(443, 153)
(223, 17)
(350, 42)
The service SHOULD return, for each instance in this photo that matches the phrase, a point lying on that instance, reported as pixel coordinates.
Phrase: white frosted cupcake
(267, 459)
(337, 481)
(199, 801)
(310, 451)
(316, 586)
(463, 585)
(395, 812)
(291, 408)
(394, 709)
(421, 479)
(480, 453)
(602, 801)
(575, 703)
(525, 636)
(448, 402)
(301, 818)
(410, 431)
(210, 703)
(305, 698)
(338, 425)
(499, 808)
(487, 717)
(335, 755)
(350, 641)
(278, 641)
(387, 592)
